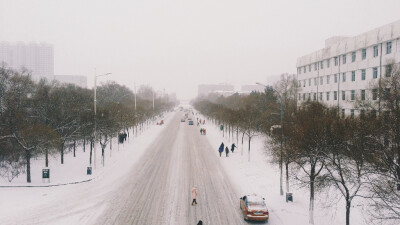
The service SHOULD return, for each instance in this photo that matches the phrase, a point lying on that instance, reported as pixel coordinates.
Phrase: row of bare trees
(38, 119)
(358, 156)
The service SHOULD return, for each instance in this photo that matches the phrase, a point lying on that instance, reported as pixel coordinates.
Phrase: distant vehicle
(190, 122)
(189, 118)
(254, 208)
(183, 120)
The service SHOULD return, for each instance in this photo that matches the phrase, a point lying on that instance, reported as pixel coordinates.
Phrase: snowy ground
(84, 203)
(261, 177)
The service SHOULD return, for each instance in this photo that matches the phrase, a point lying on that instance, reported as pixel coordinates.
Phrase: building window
(299, 97)
(304, 83)
(375, 72)
(335, 95)
(388, 47)
(362, 74)
(320, 96)
(362, 94)
(343, 77)
(315, 96)
(388, 70)
(315, 81)
(335, 78)
(309, 68)
(353, 97)
(343, 95)
(309, 82)
(304, 71)
(343, 113)
(374, 94)
(304, 96)
(353, 75)
(336, 61)
(363, 54)
(321, 81)
(309, 96)
(344, 59)
(375, 50)
(299, 83)
(328, 62)
(327, 96)
(327, 79)
(299, 70)
(322, 64)
(315, 66)
(353, 56)
(352, 113)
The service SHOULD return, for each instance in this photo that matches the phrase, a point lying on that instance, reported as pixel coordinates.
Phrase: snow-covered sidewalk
(73, 204)
(261, 177)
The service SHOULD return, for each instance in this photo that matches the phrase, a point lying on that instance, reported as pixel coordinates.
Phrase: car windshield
(255, 201)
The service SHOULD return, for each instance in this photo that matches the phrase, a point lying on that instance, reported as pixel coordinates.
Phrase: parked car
(190, 122)
(254, 208)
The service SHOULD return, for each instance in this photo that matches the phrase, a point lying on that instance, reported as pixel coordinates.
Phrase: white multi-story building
(348, 68)
(38, 59)
(205, 89)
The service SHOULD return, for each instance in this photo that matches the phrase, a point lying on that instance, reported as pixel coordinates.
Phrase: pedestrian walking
(201, 131)
(233, 147)
(200, 222)
(227, 151)
(221, 149)
(194, 195)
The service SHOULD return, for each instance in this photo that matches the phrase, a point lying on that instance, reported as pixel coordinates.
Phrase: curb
(50, 185)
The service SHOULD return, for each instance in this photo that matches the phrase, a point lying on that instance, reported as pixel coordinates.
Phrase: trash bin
(46, 175)
(289, 197)
(89, 170)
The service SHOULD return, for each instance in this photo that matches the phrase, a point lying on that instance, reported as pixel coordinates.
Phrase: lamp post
(281, 150)
(95, 119)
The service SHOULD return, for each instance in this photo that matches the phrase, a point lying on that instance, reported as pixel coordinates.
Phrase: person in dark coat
(227, 151)
(200, 222)
(233, 147)
(221, 149)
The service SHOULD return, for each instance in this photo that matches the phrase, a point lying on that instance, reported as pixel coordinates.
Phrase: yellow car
(254, 208)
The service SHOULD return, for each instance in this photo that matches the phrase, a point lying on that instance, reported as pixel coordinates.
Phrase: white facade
(37, 58)
(348, 67)
(205, 89)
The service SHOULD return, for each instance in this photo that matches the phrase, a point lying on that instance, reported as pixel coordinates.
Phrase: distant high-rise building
(205, 89)
(38, 59)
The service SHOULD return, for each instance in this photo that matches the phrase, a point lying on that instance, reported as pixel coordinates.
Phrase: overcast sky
(178, 44)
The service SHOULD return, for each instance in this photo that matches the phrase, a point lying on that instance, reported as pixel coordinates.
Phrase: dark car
(183, 120)
(254, 208)
(190, 122)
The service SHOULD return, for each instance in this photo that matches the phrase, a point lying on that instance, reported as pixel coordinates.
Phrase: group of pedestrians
(202, 131)
(221, 149)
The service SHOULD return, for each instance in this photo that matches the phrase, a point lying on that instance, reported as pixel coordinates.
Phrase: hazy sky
(178, 44)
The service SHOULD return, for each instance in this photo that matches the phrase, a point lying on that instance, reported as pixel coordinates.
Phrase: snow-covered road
(157, 190)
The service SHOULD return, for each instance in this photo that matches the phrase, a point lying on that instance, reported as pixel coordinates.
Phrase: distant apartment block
(251, 88)
(346, 70)
(78, 80)
(36, 58)
(205, 89)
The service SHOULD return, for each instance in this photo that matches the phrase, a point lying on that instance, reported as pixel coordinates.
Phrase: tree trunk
(398, 166)
(46, 160)
(249, 147)
(237, 135)
(348, 205)
(28, 166)
(287, 176)
(311, 210)
(62, 152)
(242, 143)
(74, 148)
(91, 151)
(84, 144)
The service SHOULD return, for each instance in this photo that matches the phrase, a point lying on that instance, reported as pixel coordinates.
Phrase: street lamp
(95, 124)
(281, 150)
